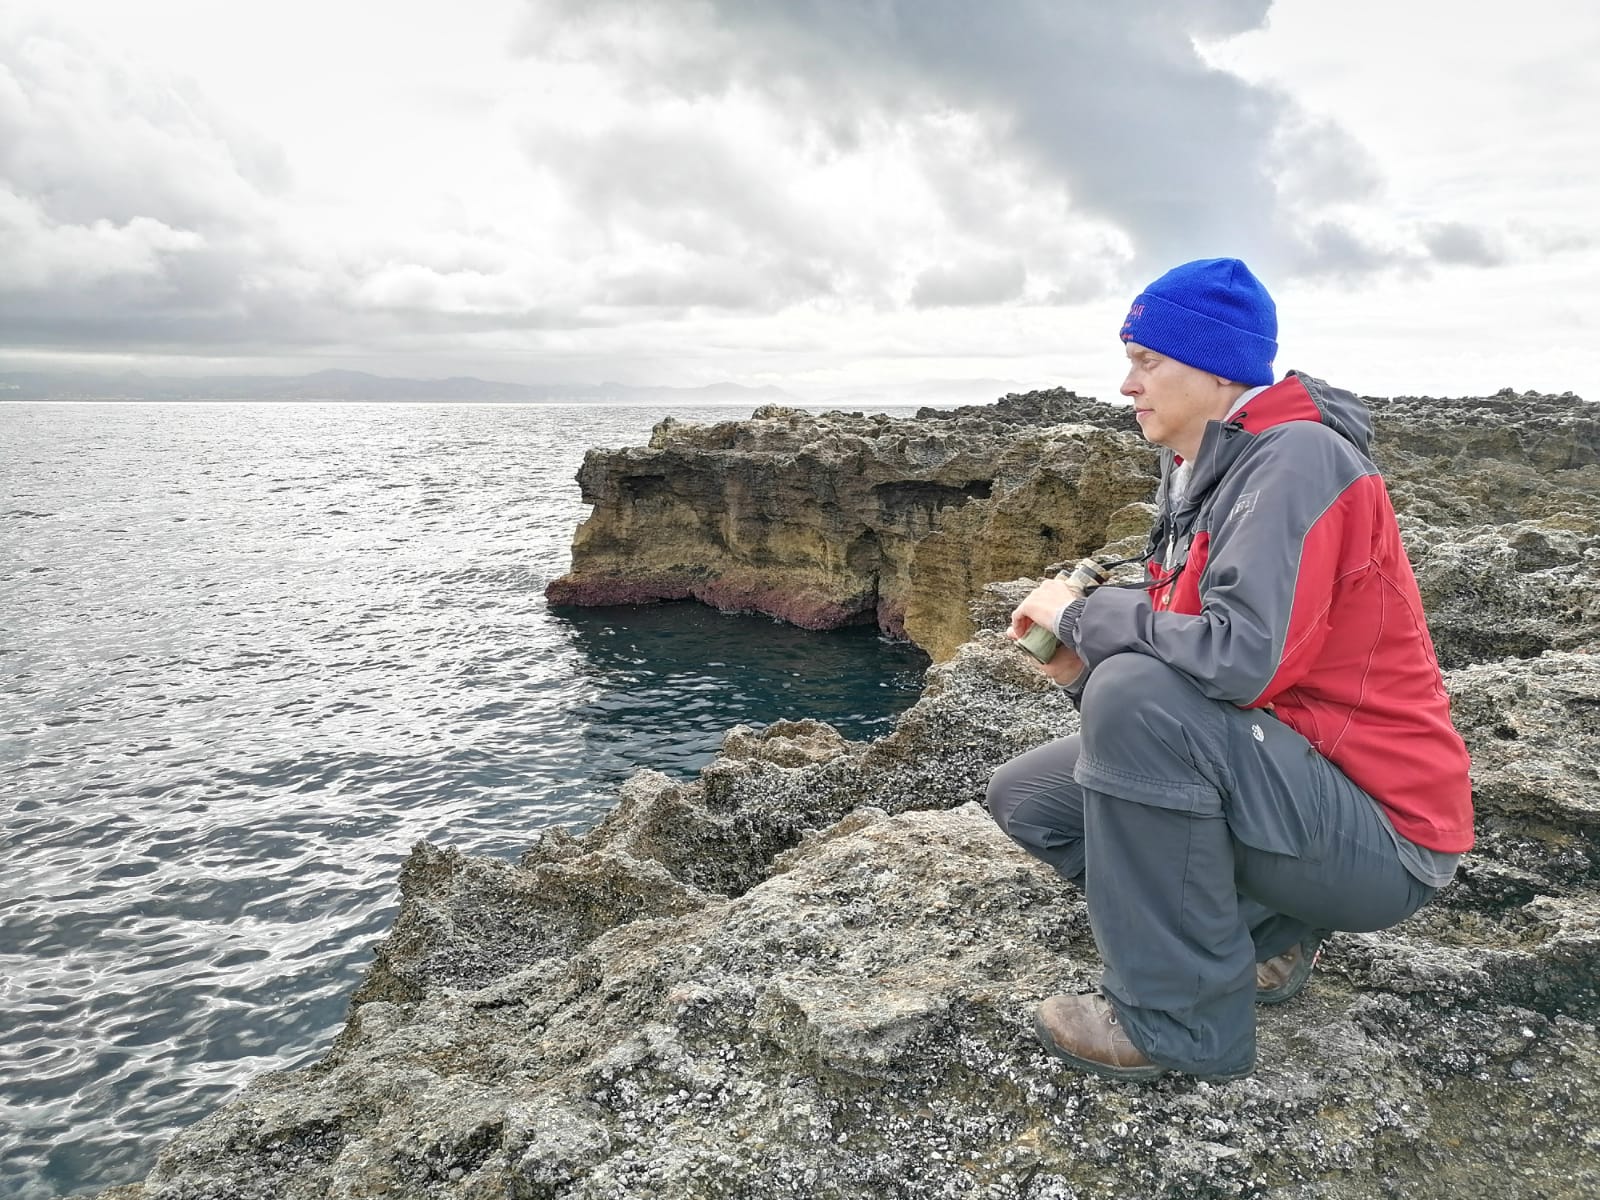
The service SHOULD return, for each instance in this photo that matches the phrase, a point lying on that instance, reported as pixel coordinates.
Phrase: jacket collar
(1296, 397)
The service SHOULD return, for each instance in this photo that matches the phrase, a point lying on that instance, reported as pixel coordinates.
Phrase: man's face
(1172, 401)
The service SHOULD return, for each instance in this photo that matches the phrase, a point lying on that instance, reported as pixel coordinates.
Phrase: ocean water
(250, 654)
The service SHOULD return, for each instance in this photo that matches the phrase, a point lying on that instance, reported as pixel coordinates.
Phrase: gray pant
(1206, 838)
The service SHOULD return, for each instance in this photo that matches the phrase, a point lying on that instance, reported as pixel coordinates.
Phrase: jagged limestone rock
(1513, 590)
(818, 519)
(1059, 494)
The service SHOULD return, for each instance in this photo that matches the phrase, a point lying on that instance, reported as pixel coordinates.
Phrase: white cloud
(1478, 124)
(47, 256)
(980, 281)
(811, 191)
(101, 140)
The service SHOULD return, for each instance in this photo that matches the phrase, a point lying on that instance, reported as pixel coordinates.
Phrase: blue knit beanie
(1212, 314)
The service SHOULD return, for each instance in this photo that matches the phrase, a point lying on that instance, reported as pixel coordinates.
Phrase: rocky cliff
(810, 972)
(826, 520)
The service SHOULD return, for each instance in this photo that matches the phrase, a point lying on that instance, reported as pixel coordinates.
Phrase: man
(1266, 751)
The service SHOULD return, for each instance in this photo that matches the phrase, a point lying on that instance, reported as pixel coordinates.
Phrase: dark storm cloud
(1115, 102)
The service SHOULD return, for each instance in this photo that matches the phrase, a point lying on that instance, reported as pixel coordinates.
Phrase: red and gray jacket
(1290, 588)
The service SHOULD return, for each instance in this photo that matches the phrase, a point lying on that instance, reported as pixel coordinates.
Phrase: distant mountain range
(360, 386)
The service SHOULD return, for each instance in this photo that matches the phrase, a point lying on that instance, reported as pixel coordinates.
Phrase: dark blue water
(249, 654)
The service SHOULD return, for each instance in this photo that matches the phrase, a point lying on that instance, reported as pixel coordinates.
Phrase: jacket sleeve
(1292, 523)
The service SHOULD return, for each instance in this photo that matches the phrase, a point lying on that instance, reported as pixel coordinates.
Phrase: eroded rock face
(1060, 493)
(818, 519)
(1499, 504)
(811, 971)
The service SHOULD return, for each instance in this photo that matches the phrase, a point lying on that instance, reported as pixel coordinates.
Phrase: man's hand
(1064, 666)
(1042, 605)
(1041, 608)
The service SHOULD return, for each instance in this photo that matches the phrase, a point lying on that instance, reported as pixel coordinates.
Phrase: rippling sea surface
(251, 653)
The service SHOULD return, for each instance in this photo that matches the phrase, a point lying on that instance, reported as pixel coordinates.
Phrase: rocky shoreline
(810, 971)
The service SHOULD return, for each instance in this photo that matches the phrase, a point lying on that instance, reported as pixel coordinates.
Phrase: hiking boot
(1281, 977)
(1084, 1032)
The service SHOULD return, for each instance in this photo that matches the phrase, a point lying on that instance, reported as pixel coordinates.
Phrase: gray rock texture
(810, 972)
(1499, 502)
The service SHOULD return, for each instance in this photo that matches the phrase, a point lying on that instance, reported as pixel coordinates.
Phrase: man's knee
(1002, 797)
(1129, 683)
(1128, 680)
(1036, 804)
(1131, 698)
(1038, 781)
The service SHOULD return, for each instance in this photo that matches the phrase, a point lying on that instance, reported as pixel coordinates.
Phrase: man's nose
(1129, 387)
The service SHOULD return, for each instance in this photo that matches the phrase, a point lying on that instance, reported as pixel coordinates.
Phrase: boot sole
(1296, 982)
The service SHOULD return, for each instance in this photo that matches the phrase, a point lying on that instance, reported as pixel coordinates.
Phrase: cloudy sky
(937, 199)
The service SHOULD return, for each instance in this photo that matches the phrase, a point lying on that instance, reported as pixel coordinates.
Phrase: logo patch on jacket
(1244, 505)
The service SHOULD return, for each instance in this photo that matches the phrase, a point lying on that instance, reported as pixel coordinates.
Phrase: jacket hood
(1300, 397)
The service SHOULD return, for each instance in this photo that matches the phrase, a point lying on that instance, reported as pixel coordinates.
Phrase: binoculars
(1087, 574)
